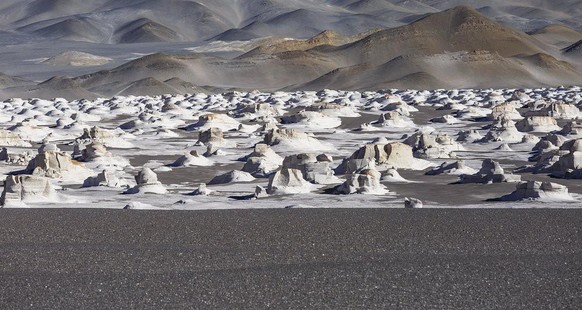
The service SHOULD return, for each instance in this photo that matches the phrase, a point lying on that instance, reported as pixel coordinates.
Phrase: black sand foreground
(291, 258)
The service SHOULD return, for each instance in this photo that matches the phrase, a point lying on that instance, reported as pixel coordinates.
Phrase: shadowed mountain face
(192, 20)
(344, 45)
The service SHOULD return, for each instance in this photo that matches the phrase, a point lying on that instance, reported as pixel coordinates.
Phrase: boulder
(147, 183)
(313, 170)
(214, 120)
(531, 190)
(412, 203)
(214, 137)
(394, 119)
(27, 188)
(537, 124)
(288, 181)
(295, 140)
(503, 130)
(234, 176)
(364, 181)
(433, 145)
(105, 178)
(453, 168)
(394, 154)
(490, 172)
(312, 119)
(52, 163)
(202, 190)
(192, 158)
(262, 161)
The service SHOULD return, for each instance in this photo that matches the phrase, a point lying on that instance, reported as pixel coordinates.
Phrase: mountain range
(159, 47)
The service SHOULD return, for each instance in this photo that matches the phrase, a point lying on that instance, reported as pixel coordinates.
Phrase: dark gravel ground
(294, 258)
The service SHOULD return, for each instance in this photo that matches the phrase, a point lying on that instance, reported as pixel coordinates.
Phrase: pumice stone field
(213, 104)
(393, 148)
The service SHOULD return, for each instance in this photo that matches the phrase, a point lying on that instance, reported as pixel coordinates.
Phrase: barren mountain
(574, 50)
(302, 45)
(193, 20)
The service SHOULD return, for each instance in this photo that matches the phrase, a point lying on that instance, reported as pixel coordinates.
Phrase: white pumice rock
(433, 145)
(364, 181)
(214, 120)
(392, 175)
(535, 190)
(233, 176)
(147, 183)
(394, 154)
(215, 137)
(192, 158)
(293, 139)
(110, 138)
(8, 138)
(452, 168)
(503, 130)
(490, 172)
(313, 170)
(27, 188)
(312, 119)
(106, 178)
(537, 124)
(393, 119)
(51, 162)
(468, 135)
(412, 203)
(288, 181)
(202, 190)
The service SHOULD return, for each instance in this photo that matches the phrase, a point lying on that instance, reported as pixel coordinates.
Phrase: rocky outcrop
(288, 181)
(490, 172)
(147, 183)
(27, 188)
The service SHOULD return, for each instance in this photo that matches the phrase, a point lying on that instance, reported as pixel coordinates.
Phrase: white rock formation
(8, 138)
(97, 154)
(21, 159)
(312, 119)
(412, 203)
(392, 175)
(469, 135)
(214, 120)
(52, 163)
(147, 183)
(288, 181)
(503, 130)
(535, 190)
(105, 178)
(110, 138)
(394, 154)
(537, 124)
(490, 172)
(453, 168)
(262, 162)
(315, 169)
(192, 158)
(394, 119)
(202, 190)
(445, 119)
(295, 140)
(27, 188)
(433, 145)
(506, 110)
(214, 137)
(234, 176)
(365, 181)
(333, 109)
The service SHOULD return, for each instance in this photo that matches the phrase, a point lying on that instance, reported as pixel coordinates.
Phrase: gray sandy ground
(430, 259)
